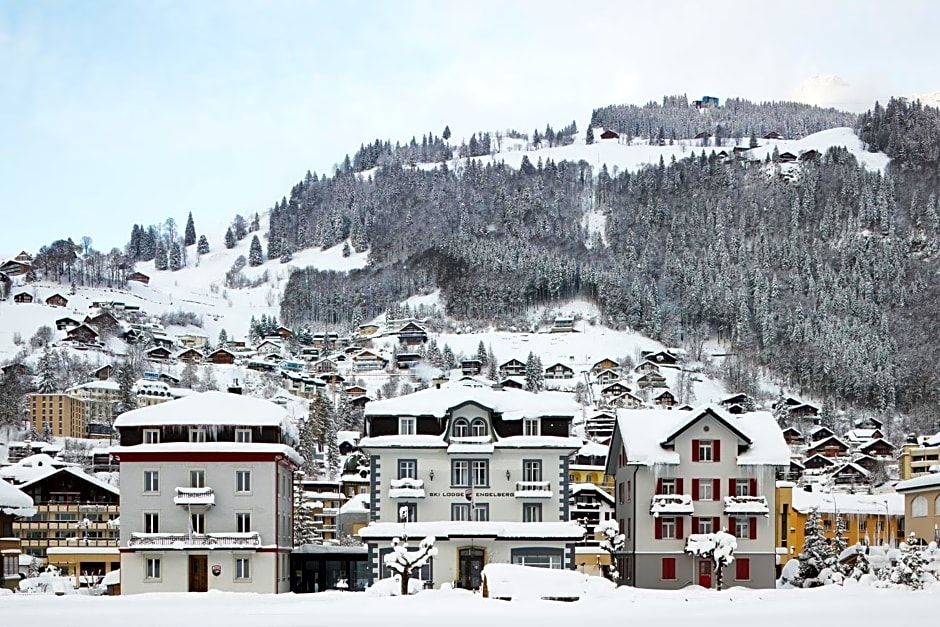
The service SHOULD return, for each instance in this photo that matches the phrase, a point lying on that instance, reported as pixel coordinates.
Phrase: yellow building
(591, 474)
(100, 399)
(917, 458)
(922, 505)
(87, 566)
(872, 518)
(59, 415)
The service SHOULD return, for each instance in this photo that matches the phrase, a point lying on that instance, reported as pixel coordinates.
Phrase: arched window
(478, 427)
(589, 478)
(919, 507)
(461, 428)
(936, 506)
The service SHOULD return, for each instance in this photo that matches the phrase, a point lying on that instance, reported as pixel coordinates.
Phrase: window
(151, 481)
(742, 569)
(538, 560)
(532, 470)
(151, 436)
(198, 523)
(531, 426)
(407, 425)
(744, 487)
(408, 512)
(668, 528)
(243, 522)
(704, 525)
(461, 428)
(153, 569)
(481, 512)
(919, 507)
(242, 568)
(572, 478)
(668, 569)
(589, 478)
(243, 435)
(197, 478)
(151, 522)
(531, 512)
(460, 473)
(667, 486)
(243, 481)
(936, 506)
(460, 511)
(407, 469)
(705, 451)
(478, 427)
(742, 528)
(706, 489)
(197, 434)
(480, 473)
(863, 525)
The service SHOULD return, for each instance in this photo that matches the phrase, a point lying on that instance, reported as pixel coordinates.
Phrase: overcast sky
(115, 112)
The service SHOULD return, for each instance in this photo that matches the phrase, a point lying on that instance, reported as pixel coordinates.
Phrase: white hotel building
(483, 470)
(206, 499)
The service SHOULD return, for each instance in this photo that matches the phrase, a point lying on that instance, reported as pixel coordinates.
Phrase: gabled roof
(14, 502)
(820, 457)
(557, 364)
(217, 408)
(581, 488)
(851, 466)
(872, 443)
(831, 438)
(78, 472)
(647, 435)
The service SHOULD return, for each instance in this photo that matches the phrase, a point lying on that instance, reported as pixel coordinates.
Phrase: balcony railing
(671, 505)
(533, 489)
(746, 505)
(204, 497)
(162, 541)
(406, 489)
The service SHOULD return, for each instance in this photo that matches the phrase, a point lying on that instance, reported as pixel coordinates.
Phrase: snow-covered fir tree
(126, 377)
(189, 238)
(203, 246)
(816, 554)
(176, 257)
(189, 378)
(481, 354)
(160, 261)
(230, 238)
(239, 227)
(47, 375)
(255, 254)
(911, 567)
(306, 529)
(534, 374)
(223, 339)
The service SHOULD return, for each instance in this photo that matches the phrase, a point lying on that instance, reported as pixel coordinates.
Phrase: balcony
(533, 490)
(671, 505)
(753, 505)
(202, 497)
(180, 541)
(406, 489)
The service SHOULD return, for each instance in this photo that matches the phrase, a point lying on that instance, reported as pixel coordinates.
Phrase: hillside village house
(483, 470)
(691, 472)
(208, 494)
(512, 368)
(918, 456)
(922, 506)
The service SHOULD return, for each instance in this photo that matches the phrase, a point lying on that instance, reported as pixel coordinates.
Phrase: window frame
(668, 487)
(242, 569)
(461, 428)
(407, 420)
(528, 509)
(672, 524)
(200, 526)
(530, 468)
(455, 477)
(528, 424)
(403, 468)
(240, 433)
(153, 569)
(151, 522)
(243, 522)
(193, 474)
(919, 506)
(742, 522)
(151, 436)
(242, 486)
(706, 487)
(151, 481)
(479, 422)
(479, 473)
(197, 435)
(706, 446)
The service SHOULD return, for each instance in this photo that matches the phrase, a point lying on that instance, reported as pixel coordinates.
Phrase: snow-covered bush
(402, 561)
(612, 543)
(718, 547)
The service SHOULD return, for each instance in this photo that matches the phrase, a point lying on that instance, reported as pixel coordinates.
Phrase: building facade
(922, 506)
(208, 495)
(695, 472)
(483, 470)
(58, 414)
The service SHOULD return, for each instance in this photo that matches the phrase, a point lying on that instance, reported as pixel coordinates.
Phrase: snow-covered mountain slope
(617, 153)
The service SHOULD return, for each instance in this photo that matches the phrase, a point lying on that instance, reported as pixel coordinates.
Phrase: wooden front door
(198, 573)
(471, 568)
(705, 573)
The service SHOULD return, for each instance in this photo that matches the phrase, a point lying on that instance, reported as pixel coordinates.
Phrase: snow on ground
(850, 605)
(822, 141)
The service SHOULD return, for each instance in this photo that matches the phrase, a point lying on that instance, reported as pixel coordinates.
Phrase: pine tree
(255, 223)
(534, 376)
(346, 250)
(306, 530)
(752, 142)
(126, 378)
(176, 257)
(589, 138)
(229, 238)
(911, 567)
(48, 372)
(839, 544)
(239, 227)
(446, 133)
(189, 378)
(448, 359)
(492, 372)
(255, 255)
(223, 339)
(203, 247)
(332, 446)
(189, 237)
(816, 553)
(160, 261)
(481, 354)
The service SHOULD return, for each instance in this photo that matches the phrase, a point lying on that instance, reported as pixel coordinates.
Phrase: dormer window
(531, 426)
(478, 427)
(407, 425)
(461, 428)
(197, 434)
(243, 435)
(151, 436)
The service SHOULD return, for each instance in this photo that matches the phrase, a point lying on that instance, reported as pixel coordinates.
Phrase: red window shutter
(752, 528)
(659, 486)
(742, 569)
(659, 528)
(679, 486)
(731, 490)
(752, 487)
(679, 531)
(694, 450)
(694, 489)
(732, 526)
(716, 524)
(669, 568)
(716, 449)
(716, 488)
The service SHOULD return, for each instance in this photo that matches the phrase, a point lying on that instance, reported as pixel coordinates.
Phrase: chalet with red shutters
(679, 474)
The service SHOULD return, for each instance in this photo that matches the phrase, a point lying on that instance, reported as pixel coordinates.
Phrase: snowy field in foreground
(769, 608)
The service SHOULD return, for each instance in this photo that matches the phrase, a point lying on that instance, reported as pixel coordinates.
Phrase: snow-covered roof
(357, 504)
(350, 437)
(445, 529)
(109, 384)
(643, 432)
(844, 503)
(78, 472)
(82, 550)
(578, 488)
(113, 578)
(211, 447)
(403, 441)
(15, 502)
(30, 468)
(593, 449)
(513, 404)
(209, 408)
(931, 480)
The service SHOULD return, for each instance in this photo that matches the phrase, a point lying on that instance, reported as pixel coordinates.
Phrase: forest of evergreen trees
(826, 281)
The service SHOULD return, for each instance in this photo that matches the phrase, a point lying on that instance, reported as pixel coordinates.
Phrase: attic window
(531, 426)
(197, 435)
(407, 425)
(151, 436)
(478, 427)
